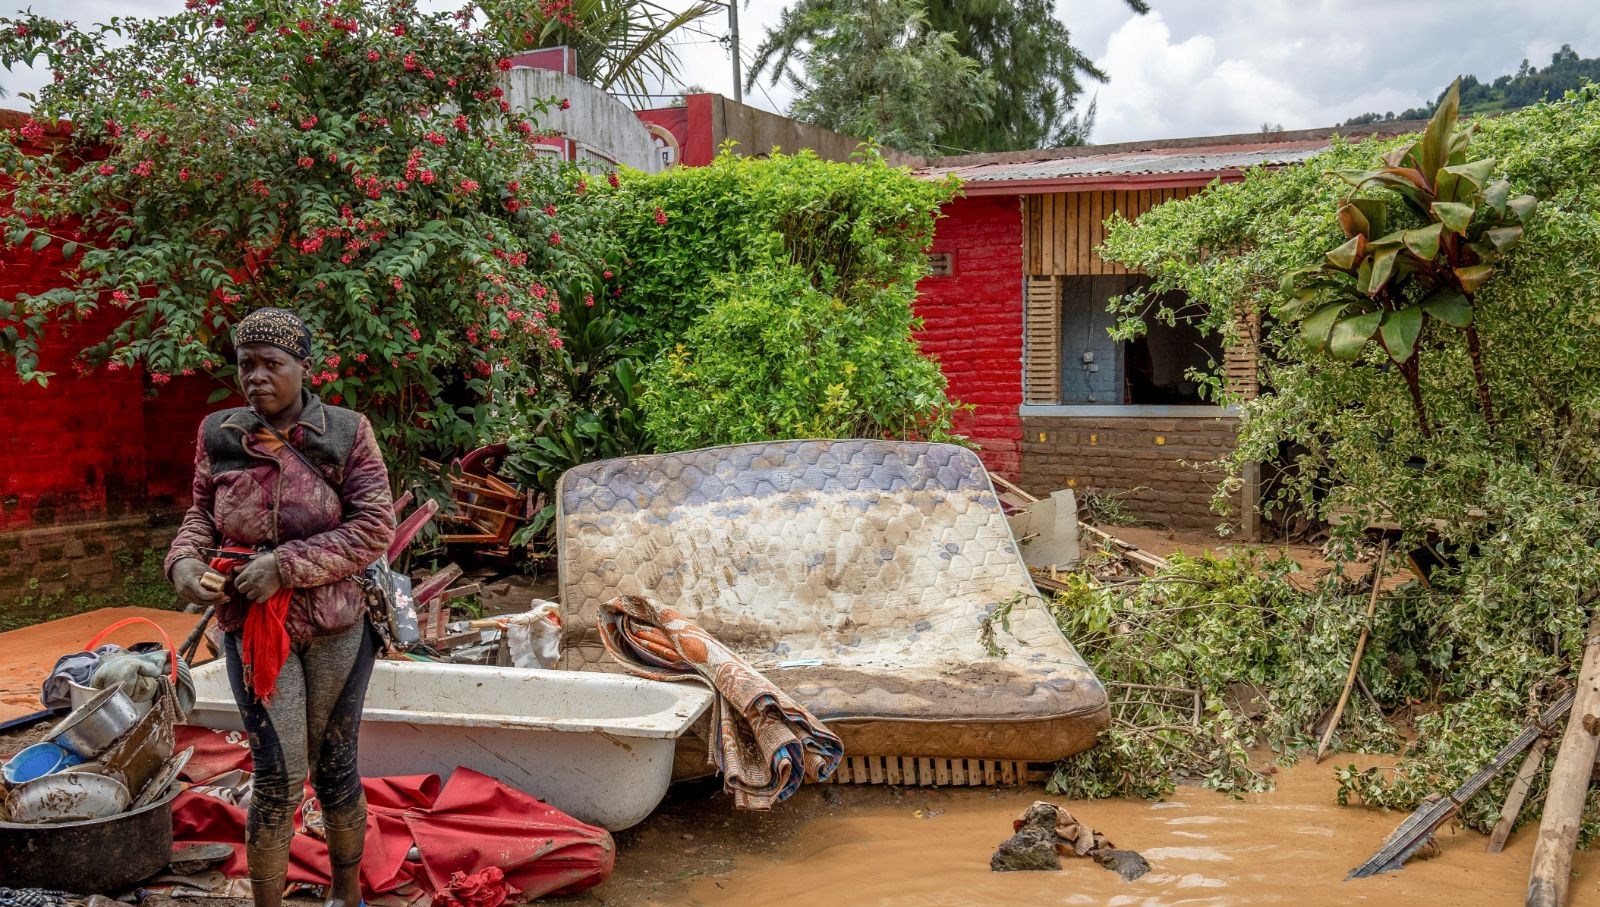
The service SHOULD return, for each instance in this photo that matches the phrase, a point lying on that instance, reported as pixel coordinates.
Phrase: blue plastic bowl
(37, 761)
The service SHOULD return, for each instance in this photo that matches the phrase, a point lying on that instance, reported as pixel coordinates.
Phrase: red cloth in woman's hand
(266, 636)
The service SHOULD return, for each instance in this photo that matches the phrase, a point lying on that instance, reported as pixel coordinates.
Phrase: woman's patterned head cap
(279, 327)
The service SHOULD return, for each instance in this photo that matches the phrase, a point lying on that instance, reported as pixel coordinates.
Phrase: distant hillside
(1529, 86)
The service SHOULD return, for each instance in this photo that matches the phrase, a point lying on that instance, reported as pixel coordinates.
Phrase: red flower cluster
(513, 205)
(555, 238)
(120, 298)
(32, 130)
(460, 122)
(611, 177)
(435, 138)
(159, 378)
(661, 218)
(410, 61)
(144, 167)
(469, 186)
(309, 122)
(588, 300)
(106, 169)
(306, 161)
(373, 56)
(504, 63)
(565, 104)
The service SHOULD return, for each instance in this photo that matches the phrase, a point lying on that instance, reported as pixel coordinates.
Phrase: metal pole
(733, 27)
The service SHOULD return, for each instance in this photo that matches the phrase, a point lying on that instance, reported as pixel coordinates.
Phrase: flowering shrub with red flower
(344, 159)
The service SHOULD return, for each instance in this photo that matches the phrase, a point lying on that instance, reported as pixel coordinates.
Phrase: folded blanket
(764, 743)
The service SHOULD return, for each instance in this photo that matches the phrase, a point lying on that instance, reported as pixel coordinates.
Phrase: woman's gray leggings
(312, 723)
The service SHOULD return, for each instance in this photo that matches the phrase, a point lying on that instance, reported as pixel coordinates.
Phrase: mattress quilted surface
(858, 575)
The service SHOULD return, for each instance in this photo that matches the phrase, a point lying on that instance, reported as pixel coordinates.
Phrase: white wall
(596, 121)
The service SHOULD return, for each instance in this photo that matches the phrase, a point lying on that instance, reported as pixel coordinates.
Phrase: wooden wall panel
(1064, 229)
(1041, 370)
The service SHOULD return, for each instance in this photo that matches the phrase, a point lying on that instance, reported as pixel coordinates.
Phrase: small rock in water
(1031, 848)
(1125, 863)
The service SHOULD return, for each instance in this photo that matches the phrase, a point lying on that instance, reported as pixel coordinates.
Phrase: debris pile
(1045, 833)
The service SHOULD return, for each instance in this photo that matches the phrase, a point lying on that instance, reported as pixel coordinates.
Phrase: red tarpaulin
(466, 825)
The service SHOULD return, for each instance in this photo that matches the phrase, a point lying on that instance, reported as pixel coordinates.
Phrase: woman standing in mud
(301, 486)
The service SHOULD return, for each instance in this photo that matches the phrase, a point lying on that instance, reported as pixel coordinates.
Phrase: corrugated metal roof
(1154, 161)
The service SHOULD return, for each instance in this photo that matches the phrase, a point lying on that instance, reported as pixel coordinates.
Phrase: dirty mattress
(858, 575)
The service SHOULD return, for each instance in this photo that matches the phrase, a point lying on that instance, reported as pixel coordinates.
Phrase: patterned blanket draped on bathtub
(764, 743)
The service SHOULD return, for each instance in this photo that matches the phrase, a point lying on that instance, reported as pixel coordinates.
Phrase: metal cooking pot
(67, 797)
(95, 725)
(99, 855)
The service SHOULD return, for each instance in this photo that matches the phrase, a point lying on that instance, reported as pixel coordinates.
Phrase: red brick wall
(972, 322)
(1154, 466)
(87, 448)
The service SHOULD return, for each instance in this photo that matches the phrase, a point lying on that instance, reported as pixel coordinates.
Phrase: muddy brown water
(858, 847)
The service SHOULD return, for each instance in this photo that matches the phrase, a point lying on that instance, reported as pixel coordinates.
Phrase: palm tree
(622, 45)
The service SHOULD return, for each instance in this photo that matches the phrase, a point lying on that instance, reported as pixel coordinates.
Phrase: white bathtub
(596, 746)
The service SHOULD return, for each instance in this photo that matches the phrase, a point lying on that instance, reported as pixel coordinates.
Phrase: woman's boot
(345, 846)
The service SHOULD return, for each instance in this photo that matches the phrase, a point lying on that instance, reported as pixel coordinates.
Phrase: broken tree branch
(1361, 647)
(1517, 796)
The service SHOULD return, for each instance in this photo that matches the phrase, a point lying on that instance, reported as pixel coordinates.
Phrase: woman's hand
(259, 578)
(186, 578)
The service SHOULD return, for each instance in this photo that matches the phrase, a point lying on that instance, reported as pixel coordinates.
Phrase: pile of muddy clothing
(470, 840)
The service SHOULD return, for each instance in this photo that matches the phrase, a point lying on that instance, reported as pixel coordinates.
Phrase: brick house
(1015, 312)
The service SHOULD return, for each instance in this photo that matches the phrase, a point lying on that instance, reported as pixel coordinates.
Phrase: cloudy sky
(1198, 67)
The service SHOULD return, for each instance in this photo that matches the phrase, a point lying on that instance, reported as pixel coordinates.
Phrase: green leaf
(1434, 147)
(1399, 331)
(1475, 172)
(1423, 241)
(1348, 253)
(40, 240)
(1449, 306)
(1522, 206)
(1382, 266)
(1350, 335)
(1495, 195)
(1505, 237)
(1454, 215)
(220, 394)
(1474, 276)
(1319, 324)
(68, 250)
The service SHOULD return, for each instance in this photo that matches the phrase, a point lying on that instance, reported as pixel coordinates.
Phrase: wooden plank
(1517, 796)
(1047, 209)
(1550, 873)
(1008, 773)
(989, 774)
(925, 770)
(875, 765)
(941, 772)
(858, 768)
(958, 772)
(1069, 232)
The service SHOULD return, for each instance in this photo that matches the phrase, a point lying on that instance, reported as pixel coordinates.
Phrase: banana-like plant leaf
(1459, 143)
(1400, 330)
(1382, 265)
(1376, 213)
(1364, 277)
(1495, 195)
(1424, 241)
(1522, 206)
(1320, 323)
(1449, 306)
(1475, 172)
(1353, 221)
(1436, 138)
(1447, 188)
(1351, 334)
(1397, 157)
(1505, 237)
(1473, 276)
(1350, 252)
(1455, 215)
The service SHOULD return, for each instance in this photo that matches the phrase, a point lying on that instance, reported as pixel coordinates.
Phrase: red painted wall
(89, 447)
(972, 322)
